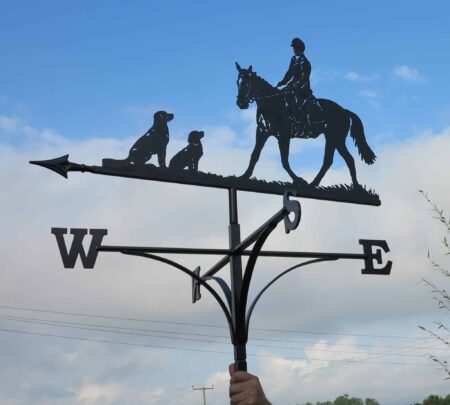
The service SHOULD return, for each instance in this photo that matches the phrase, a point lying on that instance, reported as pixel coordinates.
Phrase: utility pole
(203, 389)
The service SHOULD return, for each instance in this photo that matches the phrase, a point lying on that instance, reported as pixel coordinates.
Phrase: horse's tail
(357, 133)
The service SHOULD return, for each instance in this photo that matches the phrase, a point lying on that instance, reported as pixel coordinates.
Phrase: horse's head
(245, 92)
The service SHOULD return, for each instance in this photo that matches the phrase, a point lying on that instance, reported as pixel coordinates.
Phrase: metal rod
(233, 209)
(234, 233)
(158, 249)
(266, 253)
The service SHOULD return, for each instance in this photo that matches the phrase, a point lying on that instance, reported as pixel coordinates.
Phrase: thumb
(231, 369)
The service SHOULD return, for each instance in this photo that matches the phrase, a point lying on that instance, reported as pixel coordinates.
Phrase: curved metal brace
(225, 288)
(249, 270)
(195, 277)
(252, 306)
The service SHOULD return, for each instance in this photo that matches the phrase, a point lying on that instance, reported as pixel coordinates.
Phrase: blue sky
(85, 78)
(81, 67)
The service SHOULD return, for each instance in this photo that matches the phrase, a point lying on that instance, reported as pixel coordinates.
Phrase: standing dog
(153, 142)
(190, 155)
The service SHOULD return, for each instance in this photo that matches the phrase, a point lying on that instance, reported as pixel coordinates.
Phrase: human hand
(245, 389)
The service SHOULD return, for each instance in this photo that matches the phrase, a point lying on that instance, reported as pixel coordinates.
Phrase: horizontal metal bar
(272, 253)
(152, 249)
(265, 253)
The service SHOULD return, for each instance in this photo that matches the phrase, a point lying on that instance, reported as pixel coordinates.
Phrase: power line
(213, 326)
(98, 328)
(202, 334)
(200, 350)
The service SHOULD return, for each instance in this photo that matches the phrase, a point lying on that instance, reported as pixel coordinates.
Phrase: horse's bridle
(253, 98)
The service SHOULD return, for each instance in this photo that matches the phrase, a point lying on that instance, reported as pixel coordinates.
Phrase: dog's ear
(157, 115)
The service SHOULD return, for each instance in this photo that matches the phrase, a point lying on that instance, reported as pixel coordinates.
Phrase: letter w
(69, 258)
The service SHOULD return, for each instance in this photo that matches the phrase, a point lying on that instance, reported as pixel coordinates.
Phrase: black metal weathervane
(286, 111)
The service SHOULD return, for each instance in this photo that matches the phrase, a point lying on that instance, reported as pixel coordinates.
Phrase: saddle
(307, 119)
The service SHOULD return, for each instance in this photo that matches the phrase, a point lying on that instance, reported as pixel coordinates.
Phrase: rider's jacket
(297, 76)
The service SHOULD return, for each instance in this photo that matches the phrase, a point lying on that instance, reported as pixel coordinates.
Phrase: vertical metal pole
(234, 233)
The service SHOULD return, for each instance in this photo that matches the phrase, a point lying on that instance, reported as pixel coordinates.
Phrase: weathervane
(286, 111)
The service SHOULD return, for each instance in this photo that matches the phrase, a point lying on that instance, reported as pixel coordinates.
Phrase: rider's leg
(306, 118)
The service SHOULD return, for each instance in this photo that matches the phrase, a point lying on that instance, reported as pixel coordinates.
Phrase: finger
(236, 388)
(239, 399)
(240, 376)
(231, 369)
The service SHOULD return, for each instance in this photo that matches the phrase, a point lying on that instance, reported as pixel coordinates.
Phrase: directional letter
(292, 206)
(76, 249)
(371, 256)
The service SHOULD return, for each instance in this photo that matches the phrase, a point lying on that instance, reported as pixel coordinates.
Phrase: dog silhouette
(190, 155)
(153, 142)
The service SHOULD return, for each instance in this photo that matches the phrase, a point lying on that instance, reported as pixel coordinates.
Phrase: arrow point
(59, 165)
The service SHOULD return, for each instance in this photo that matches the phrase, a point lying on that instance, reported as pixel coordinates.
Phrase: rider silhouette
(298, 91)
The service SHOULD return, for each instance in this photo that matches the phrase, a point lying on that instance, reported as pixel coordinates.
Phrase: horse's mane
(264, 83)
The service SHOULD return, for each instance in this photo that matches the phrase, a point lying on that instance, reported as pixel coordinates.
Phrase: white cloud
(8, 124)
(370, 96)
(91, 393)
(391, 384)
(408, 73)
(145, 213)
(357, 77)
(320, 76)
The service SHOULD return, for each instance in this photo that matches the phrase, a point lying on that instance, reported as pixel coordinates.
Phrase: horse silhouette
(273, 119)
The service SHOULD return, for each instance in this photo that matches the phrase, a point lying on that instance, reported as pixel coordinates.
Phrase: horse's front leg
(261, 138)
(284, 145)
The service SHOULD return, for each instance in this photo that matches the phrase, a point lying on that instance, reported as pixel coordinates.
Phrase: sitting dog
(190, 155)
(153, 142)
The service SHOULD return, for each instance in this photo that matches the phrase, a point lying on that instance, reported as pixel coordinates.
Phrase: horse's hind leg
(261, 138)
(327, 162)
(342, 149)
